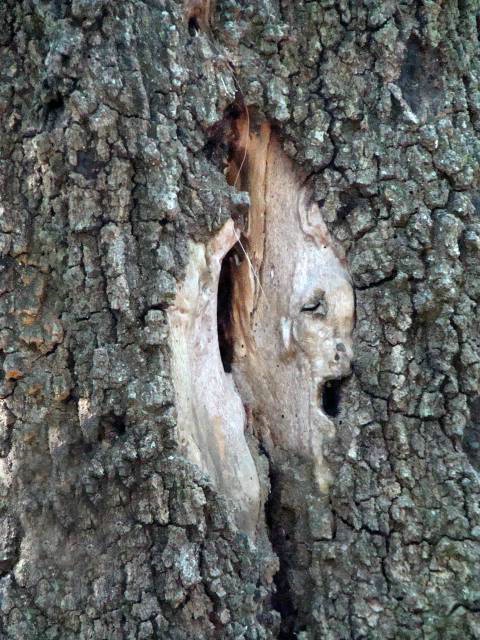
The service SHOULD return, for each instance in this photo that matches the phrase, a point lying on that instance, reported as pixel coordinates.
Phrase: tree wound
(292, 305)
(263, 320)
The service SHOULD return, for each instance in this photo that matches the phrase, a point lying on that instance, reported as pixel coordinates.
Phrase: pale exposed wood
(284, 352)
(200, 10)
(210, 414)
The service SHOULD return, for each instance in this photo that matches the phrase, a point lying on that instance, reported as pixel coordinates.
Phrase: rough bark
(115, 137)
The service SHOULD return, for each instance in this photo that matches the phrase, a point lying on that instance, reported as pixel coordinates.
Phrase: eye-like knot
(318, 305)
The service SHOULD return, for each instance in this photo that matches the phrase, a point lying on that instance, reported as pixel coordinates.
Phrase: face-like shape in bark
(299, 318)
(290, 327)
(318, 323)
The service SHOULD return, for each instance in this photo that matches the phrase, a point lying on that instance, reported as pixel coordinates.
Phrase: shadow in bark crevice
(224, 308)
(280, 522)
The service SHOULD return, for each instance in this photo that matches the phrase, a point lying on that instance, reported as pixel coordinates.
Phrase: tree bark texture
(115, 139)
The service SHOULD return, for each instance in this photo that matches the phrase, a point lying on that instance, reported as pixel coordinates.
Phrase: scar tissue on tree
(285, 318)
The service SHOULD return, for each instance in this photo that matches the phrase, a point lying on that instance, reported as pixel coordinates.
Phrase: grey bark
(111, 157)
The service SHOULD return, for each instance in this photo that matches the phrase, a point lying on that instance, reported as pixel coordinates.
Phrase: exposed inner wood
(285, 319)
(210, 414)
(293, 305)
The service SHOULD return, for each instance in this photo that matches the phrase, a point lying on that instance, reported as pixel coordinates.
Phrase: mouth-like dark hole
(331, 396)
(224, 308)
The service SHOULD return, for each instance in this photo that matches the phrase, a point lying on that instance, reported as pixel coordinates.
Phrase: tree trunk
(199, 436)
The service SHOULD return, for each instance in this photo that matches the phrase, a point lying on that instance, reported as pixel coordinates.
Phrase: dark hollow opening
(193, 26)
(471, 435)
(331, 396)
(52, 109)
(224, 308)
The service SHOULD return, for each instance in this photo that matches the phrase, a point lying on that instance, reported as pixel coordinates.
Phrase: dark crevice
(52, 110)
(377, 283)
(219, 148)
(280, 522)
(11, 552)
(350, 200)
(193, 26)
(419, 81)
(87, 166)
(471, 435)
(224, 307)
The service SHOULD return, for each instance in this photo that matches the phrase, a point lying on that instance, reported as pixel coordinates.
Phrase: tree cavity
(261, 328)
